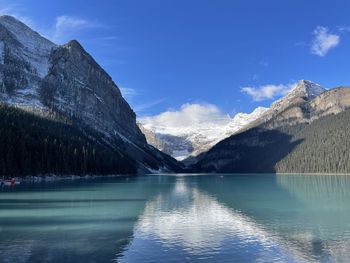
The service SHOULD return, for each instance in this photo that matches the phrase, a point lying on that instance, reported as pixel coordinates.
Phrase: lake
(178, 218)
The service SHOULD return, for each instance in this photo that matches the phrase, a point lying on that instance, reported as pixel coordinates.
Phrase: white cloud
(189, 115)
(269, 91)
(323, 41)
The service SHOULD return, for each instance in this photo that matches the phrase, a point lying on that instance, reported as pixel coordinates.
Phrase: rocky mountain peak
(308, 89)
(304, 90)
(75, 45)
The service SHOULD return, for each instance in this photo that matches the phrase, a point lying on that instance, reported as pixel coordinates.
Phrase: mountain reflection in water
(178, 218)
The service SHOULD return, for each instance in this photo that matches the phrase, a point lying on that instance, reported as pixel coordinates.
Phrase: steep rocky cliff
(50, 80)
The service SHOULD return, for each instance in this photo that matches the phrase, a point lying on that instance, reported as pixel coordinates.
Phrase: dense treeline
(32, 145)
(320, 147)
(324, 147)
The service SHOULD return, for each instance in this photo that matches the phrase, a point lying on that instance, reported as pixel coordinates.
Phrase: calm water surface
(175, 218)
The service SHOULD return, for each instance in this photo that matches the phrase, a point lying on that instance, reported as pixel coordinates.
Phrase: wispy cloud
(269, 91)
(64, 28)
(129, 93)
(255, 76)
(136, 98)
(264, 63)
(323, 41)
(139, 108)
(67, 26)
(343, 29)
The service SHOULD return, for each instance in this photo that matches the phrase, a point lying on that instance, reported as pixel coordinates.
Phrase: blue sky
(168, 53)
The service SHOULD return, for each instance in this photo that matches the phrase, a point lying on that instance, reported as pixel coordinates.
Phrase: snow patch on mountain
(36, 49)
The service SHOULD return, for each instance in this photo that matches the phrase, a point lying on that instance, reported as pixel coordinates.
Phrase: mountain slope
(43, 78)
(308, 136)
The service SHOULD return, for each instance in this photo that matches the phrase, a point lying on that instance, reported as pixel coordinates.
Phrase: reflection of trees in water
(310, 212)
(331, 191)
(326, 212)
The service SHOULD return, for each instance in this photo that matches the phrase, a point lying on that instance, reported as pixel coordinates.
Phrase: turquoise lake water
(178, 218)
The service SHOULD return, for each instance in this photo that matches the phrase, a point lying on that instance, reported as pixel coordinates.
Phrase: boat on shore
(10, 182)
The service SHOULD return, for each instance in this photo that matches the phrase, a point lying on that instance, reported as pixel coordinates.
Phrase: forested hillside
(32, 145)
(320, 147)
(324, 147)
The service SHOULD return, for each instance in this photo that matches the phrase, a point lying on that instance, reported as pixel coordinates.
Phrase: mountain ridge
(195, 141)
(297, 139)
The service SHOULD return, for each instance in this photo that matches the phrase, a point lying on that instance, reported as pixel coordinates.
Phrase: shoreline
(55, 178)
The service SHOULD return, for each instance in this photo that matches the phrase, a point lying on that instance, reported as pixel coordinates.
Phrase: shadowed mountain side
(254, 151)
(96, 218)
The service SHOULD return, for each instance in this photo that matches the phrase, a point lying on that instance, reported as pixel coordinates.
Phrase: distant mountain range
(65, 82)
(186, 143)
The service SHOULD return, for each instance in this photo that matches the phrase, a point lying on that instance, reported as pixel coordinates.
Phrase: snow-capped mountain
(304, 90)
(196, 138)
(183, 142)
(48, 79)
(282, 109)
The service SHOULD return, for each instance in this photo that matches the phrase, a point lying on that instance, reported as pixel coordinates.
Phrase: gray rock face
(290, 107)
(41, 77)
(76, 84)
